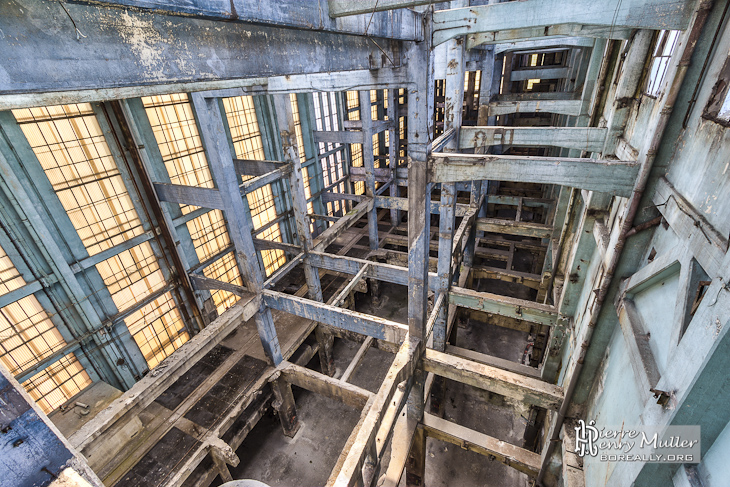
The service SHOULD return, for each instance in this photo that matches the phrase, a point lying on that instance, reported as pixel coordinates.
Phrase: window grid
(27, 336)
(224, 269)
(72, 150)
(209, 234)
(58, 383)
(158, 329)
(10, 278)
(132, 275)
(173, 125)
(244, 125)
(298, 127)
(663, 50)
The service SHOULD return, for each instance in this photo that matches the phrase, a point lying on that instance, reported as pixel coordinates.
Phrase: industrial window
(209, 238)
(718, 108)
(244, 125)
(666, 41)
(27, 333)
(224, 269)
(158, 329)
(298, 127)
(57, 383)
(353, 113)
(173, 124)
(28, 336)
(327, 118)
(132, 275)
(209, 234)
(70, 146)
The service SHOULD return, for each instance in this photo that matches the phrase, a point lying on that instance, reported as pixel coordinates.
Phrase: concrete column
(285, 406)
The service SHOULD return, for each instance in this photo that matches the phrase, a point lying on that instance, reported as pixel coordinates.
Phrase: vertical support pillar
(394, 150)
(285, 406)
(447, 222)
(224, 174)
(420, 125)
(416, 464)
(369, 163)
(287, 131)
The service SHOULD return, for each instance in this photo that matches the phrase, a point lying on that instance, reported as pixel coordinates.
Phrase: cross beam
(373, 326)
(614, 177)
(519, 309)
(502, 382)
(637, 14)
(590, 139)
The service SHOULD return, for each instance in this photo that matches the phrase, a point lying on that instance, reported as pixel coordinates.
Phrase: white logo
(585, 438)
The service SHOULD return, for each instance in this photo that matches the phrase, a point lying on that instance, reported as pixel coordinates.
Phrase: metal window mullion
(49, 247)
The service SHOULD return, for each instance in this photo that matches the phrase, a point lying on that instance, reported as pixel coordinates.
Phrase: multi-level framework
(158, 100)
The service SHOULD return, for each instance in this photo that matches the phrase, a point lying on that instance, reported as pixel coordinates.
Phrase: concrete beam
(325, 385)
(511, 227)
(367, 441)
(189, 195)
(560, 107)
(373, 326)
(502, 382)
(519, 309)
(540, 45)
(342, 8)
(554, 34)
(203, 50)
(338, 137)
(590, 139)
(540, 73)
(518, 458)
(635, 14)
(614, 177)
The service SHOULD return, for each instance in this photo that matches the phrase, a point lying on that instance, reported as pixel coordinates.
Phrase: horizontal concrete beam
(338, 137)
(142, 43)
(554, 33)
(590, 139)
(560, 107)
(540, 73)
(331, 234)
(518, 458)
(206, 283)
(376, 270)
(324, 385)
(373, 326)
(252, 167)
(398, 203)
(526, 279)
(342, 8)
(539, 45)
(614, 177)
(511, 227)
(502, 382)
(189, 195)
(493, 361)
(636, 14)
(519, 309)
